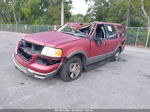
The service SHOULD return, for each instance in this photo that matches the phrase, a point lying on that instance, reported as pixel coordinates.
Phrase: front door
(99, 52)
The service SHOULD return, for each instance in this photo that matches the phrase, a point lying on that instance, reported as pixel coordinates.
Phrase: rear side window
(121, 31)
(111, 32)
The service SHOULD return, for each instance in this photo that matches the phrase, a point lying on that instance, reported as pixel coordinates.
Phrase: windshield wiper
(75, 34)
(79, 35)
(68, 33)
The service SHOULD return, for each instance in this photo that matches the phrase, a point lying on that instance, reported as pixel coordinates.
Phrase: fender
(78, 52)
(119, 46)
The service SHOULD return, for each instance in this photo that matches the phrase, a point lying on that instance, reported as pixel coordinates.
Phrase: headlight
(51, 52)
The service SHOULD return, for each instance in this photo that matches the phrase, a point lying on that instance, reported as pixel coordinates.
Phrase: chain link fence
(27, 28)
(136, 36)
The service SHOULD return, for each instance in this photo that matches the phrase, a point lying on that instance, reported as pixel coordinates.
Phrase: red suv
(74, 47)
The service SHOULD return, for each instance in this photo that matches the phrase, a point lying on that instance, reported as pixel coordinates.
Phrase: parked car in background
(74, 47)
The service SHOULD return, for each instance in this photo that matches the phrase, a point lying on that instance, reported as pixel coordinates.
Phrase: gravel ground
(116, 85)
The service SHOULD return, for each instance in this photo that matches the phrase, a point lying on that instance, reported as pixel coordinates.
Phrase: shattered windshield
(76, 29)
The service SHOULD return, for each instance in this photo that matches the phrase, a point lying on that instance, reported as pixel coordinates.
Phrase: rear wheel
(117, 55)
(72, 69)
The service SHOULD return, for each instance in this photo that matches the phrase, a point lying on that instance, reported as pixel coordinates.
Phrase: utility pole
(62, 12)
(128, 15)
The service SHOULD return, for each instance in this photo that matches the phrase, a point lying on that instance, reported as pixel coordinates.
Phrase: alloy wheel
(74, 70)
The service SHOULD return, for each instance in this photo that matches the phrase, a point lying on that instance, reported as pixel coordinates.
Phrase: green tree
(117, 11)
(77, 18)
(33, 11)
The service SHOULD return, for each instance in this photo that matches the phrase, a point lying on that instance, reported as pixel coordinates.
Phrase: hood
(50, 38)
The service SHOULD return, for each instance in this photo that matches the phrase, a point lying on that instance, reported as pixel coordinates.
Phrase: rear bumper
(33, 72)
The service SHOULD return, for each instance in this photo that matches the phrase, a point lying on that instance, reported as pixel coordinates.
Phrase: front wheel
(72, 69)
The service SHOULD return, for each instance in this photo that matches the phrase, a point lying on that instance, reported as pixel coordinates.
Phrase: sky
(79, 7)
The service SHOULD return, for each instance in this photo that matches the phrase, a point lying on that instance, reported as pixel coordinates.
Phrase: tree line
(127, 12)
(33, 11)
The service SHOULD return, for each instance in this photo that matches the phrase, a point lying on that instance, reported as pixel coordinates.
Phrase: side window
(100, 31)
(111, 32)
(121, 31)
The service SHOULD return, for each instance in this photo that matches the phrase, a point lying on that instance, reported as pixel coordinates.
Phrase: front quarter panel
(74, 47)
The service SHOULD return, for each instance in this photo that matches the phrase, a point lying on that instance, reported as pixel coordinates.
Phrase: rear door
(112, 37)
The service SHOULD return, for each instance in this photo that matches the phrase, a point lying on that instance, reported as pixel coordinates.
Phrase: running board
(96, 65)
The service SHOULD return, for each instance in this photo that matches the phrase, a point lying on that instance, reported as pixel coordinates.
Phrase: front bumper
(34, 73)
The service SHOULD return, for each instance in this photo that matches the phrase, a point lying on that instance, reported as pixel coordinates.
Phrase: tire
(117, 55)
(72, 69)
